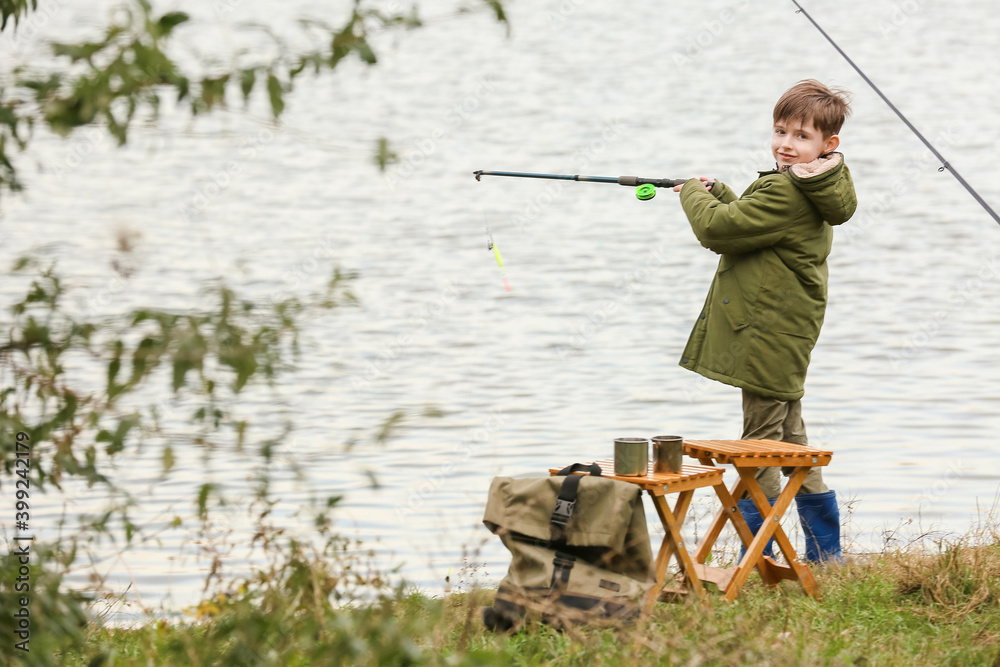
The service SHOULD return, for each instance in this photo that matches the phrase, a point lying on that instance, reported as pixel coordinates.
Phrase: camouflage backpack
(579, 546)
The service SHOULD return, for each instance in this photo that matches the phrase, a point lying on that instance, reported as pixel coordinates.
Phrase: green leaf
(113, 367)
(168, 459)
(247, 78)
(76, 52)
(14, 9)
(117, 439)
(23, 263)
(67, 414)
(213, 91)
(241, 429)
(84, 331)
(384, 155)
(365, 51)
(275, 93)
(343, 42)
(171, 20)
(389, 426)
(295, 71)
(203, 500)
(183, 87)
(144, 358)
(189, 356)
(499, 12)
(43, 87)
(243, 360)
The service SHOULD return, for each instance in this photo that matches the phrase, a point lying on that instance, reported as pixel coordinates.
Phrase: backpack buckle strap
(562, 512)
(565, 504)
(562, 564)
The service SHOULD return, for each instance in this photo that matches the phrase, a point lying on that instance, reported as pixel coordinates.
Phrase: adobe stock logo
(961, 294)
(456, 116)
(466, 448)
(380, 365)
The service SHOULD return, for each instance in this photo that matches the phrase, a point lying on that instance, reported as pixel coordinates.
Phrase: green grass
(894, 609)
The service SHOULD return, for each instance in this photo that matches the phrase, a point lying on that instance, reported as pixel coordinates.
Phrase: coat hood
(827, 183)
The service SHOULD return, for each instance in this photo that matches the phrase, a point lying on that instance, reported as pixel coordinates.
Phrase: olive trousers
(771, 419)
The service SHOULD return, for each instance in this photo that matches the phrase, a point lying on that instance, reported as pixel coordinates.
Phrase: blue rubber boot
(754, 520)
(820, 519)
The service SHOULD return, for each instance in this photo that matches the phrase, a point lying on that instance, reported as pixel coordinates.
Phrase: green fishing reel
(645, 191)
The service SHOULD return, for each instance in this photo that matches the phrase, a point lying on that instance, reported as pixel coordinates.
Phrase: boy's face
(796, 141)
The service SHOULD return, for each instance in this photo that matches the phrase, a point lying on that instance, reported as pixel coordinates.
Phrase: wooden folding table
(747, 456)
(658, 485)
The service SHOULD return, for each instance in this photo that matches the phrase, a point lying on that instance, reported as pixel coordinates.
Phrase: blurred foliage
(881, 609)
(384, 155)
(90, 389)
(203, 359)
(130, 67)
(207, 358)
(13, 9)
(57, 618)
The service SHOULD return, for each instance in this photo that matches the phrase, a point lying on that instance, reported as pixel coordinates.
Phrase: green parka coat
(766, 304)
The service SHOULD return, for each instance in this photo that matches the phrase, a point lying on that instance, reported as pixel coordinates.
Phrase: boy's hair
(810, 100)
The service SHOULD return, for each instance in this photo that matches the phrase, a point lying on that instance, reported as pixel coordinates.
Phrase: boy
(766, 304)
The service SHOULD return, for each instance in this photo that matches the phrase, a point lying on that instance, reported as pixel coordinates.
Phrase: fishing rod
(944, 163)
(646, 186)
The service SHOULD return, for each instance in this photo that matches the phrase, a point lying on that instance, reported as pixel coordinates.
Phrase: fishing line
(645, 189)
(944, 163)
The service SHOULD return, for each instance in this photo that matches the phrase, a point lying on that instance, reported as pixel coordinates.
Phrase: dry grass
(907, 607)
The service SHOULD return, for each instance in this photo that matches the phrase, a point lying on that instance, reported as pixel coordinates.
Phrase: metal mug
(631, 456)
(668, 451)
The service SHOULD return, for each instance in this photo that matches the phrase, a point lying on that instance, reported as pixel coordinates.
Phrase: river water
(604, 288)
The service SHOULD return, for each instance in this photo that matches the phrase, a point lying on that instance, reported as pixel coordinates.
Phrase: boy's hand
(703, 179)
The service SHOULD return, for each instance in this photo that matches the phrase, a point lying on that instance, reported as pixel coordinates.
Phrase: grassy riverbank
(901, 608)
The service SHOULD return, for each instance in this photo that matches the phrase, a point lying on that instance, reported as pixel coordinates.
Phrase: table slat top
(731, 449)
(698, 474)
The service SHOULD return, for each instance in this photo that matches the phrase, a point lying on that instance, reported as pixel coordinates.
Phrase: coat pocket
(729, 300)
(793, 353)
